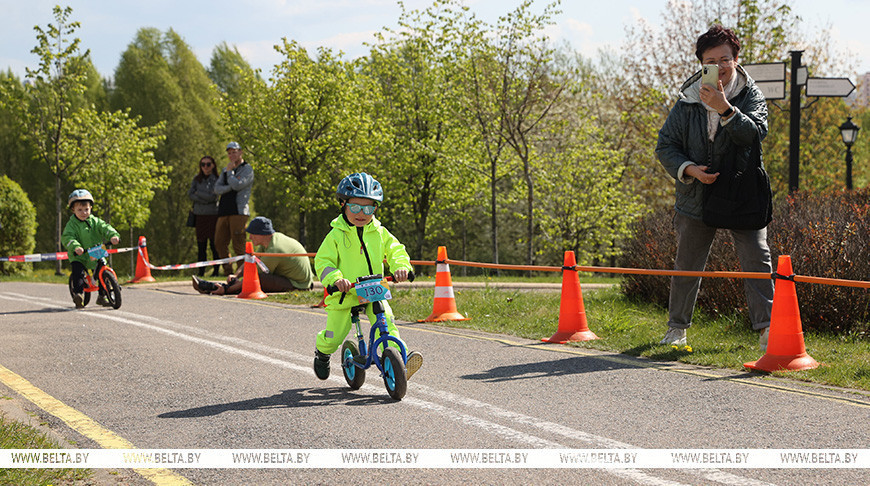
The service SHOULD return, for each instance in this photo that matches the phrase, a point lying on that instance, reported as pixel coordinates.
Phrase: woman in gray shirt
(205, 208)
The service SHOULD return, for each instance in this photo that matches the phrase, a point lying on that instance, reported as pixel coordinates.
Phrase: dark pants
(694, 240)
(78, 276)
(78, 273)
(201, 255)
(268, 283)
(205, 230)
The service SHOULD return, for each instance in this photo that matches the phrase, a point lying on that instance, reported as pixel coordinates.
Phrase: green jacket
(85, 234)
(343, 255)
(295, 269)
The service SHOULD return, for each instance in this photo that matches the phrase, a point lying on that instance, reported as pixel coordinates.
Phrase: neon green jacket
(341, 255)
(85, 234)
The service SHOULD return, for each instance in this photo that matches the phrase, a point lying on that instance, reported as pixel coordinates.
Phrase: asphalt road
(173, 369)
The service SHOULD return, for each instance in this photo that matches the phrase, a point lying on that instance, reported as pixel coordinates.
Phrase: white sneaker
(674, 336)
(762, 339)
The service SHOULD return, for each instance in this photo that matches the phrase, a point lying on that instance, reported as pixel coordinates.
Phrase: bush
(17, 226)
(826, 235)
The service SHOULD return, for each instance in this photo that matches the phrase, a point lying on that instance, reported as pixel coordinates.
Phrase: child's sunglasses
(356, 208)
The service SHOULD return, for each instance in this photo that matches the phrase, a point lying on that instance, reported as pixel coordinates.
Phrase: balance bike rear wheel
(87, 295)
(353, 375)
(394, 373)
(113, 290)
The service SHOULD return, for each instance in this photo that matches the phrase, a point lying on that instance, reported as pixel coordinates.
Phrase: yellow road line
(84, 425)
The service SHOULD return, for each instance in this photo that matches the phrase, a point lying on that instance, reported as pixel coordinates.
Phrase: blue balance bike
(356, 359)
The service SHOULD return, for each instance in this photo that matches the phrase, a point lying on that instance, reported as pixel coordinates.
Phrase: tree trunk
(530, 206)
(494, 218)
(303, 233)
(58, 222)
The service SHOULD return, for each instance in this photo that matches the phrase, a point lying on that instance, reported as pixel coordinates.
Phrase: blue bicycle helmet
(80, 195)
(360, 184)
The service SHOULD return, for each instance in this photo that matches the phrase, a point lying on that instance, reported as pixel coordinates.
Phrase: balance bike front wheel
(112, 288)
(394, 373)
(353, 375)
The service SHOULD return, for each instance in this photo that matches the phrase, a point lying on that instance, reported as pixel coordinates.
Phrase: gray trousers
(694, 239)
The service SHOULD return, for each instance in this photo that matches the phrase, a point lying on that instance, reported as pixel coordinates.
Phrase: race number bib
(372, 291)
(98, 252)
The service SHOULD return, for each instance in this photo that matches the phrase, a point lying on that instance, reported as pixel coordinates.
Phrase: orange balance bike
(103, 279)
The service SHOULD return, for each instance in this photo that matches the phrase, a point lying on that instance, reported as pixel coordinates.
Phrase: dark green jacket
(85, 234)
(683, 139)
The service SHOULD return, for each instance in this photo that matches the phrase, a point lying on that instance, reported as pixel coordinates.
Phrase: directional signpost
(769, 77)
(816, 87)
(834, 87)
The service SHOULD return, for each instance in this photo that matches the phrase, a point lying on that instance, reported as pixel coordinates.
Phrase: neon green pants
(338, 325)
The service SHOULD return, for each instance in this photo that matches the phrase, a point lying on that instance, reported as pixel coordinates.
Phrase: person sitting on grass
(285, 273)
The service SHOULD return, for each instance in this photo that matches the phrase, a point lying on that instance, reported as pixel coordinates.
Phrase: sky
(254, 26)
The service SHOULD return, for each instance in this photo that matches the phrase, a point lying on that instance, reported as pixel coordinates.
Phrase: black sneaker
(103, 301)
(79, 300)
(203, 286)
(321, 365)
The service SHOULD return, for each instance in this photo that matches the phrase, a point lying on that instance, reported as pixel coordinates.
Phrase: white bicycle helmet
(80, 195)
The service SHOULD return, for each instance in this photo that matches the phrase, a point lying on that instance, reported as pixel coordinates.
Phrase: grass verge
(15, 435)
(633, 328)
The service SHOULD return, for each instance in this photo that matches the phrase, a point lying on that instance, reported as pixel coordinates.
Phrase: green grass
(634, 329)
(15, 435)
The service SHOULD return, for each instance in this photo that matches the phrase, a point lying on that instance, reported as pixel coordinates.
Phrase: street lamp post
(849, 132)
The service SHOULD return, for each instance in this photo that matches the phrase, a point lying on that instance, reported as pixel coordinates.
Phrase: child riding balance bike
(83, 238)
(357, 246)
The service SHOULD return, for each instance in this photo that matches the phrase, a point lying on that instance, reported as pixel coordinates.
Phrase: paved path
(173, 369)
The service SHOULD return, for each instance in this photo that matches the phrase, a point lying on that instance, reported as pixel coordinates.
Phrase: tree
(480, 104)
(18, 225)
(49, 100)
(118, 165)
(160, 80)
(227, 68)
(305, 125)
(527, 89)
(583, 205)
(17, 158)
(415, 109)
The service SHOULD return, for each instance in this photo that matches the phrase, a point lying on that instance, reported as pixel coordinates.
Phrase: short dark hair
(715, 37)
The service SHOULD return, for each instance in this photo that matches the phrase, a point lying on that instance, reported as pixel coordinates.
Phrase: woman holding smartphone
(710, 127)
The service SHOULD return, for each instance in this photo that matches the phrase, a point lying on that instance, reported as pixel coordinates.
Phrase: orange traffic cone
(444, 306)
(785, 344)
(143, 271)
(572, 314)
(251, 278)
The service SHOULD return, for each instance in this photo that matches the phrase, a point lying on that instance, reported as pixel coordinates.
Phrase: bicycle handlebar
(333, 289)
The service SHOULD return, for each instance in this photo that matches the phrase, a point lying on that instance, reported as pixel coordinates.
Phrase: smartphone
(710, 75)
